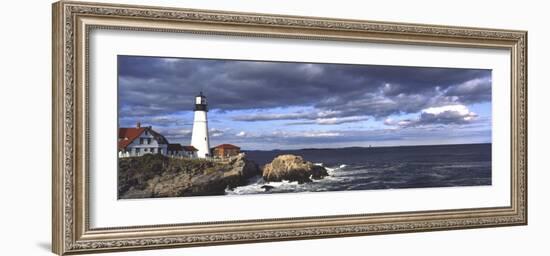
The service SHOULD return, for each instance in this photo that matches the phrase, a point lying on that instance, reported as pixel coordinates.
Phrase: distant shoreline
(363, 147)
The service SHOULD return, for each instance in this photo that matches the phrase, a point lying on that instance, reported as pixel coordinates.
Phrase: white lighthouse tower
(200, 139)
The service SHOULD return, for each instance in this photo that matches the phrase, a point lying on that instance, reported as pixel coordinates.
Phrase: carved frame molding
(72, 22)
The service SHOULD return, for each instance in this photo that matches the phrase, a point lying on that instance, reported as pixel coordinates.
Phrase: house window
(146, 150)
(160, 150)
(153, 150)
(137, 151)
(140, 140)
(148, 141)
(146, 133)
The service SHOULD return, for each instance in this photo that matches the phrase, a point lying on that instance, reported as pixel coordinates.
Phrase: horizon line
(396, 146)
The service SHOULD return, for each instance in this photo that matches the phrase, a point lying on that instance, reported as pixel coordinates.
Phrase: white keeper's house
(138, 141)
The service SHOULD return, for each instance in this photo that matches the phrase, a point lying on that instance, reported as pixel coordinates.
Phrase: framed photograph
(178, 127)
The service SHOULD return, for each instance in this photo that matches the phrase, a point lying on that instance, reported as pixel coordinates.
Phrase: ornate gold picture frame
(72, 24)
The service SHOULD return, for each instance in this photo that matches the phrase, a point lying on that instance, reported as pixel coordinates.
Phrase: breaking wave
(258, 186)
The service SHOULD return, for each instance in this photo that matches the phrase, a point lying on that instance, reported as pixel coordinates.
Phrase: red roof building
(138, 141)
(127, 135)
(225, 150)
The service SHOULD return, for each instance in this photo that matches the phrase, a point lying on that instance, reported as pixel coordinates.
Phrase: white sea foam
(331, 170)
(256, 187)
(255, 184)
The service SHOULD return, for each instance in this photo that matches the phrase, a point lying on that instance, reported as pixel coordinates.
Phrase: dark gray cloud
(158, 86)
(175, 134)
(472, 91)
(276, 116)
(447, 115)
(156, 120)
(332, 120)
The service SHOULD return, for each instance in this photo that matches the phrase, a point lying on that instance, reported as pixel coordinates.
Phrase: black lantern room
(200, 103)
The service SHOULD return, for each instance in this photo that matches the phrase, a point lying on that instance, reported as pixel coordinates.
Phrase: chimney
(138, 125)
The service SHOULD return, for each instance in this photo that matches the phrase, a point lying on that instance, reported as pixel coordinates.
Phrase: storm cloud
(152, 86)
(447, 115)
(319, 100)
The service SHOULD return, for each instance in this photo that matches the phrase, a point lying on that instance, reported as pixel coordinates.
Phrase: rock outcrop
(292, 168)
(160, 176)
(240, 170)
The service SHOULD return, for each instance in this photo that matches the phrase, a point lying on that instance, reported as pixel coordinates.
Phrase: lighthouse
(200, 139)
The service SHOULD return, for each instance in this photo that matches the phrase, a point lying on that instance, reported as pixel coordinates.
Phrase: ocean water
(382, 168)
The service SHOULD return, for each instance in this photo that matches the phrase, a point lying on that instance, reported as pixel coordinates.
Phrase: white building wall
(183, 153)
(153, 145)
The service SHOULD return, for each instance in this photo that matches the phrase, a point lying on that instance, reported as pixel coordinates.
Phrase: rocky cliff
(292, 168)
(159, 176)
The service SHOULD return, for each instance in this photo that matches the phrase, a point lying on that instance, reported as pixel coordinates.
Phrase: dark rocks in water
(292, 168)
(160, 176)
(267, 187)
(241, 169)
(318, 172)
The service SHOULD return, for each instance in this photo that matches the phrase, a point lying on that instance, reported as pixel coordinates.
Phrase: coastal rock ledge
(160, 176)
(292, 168)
